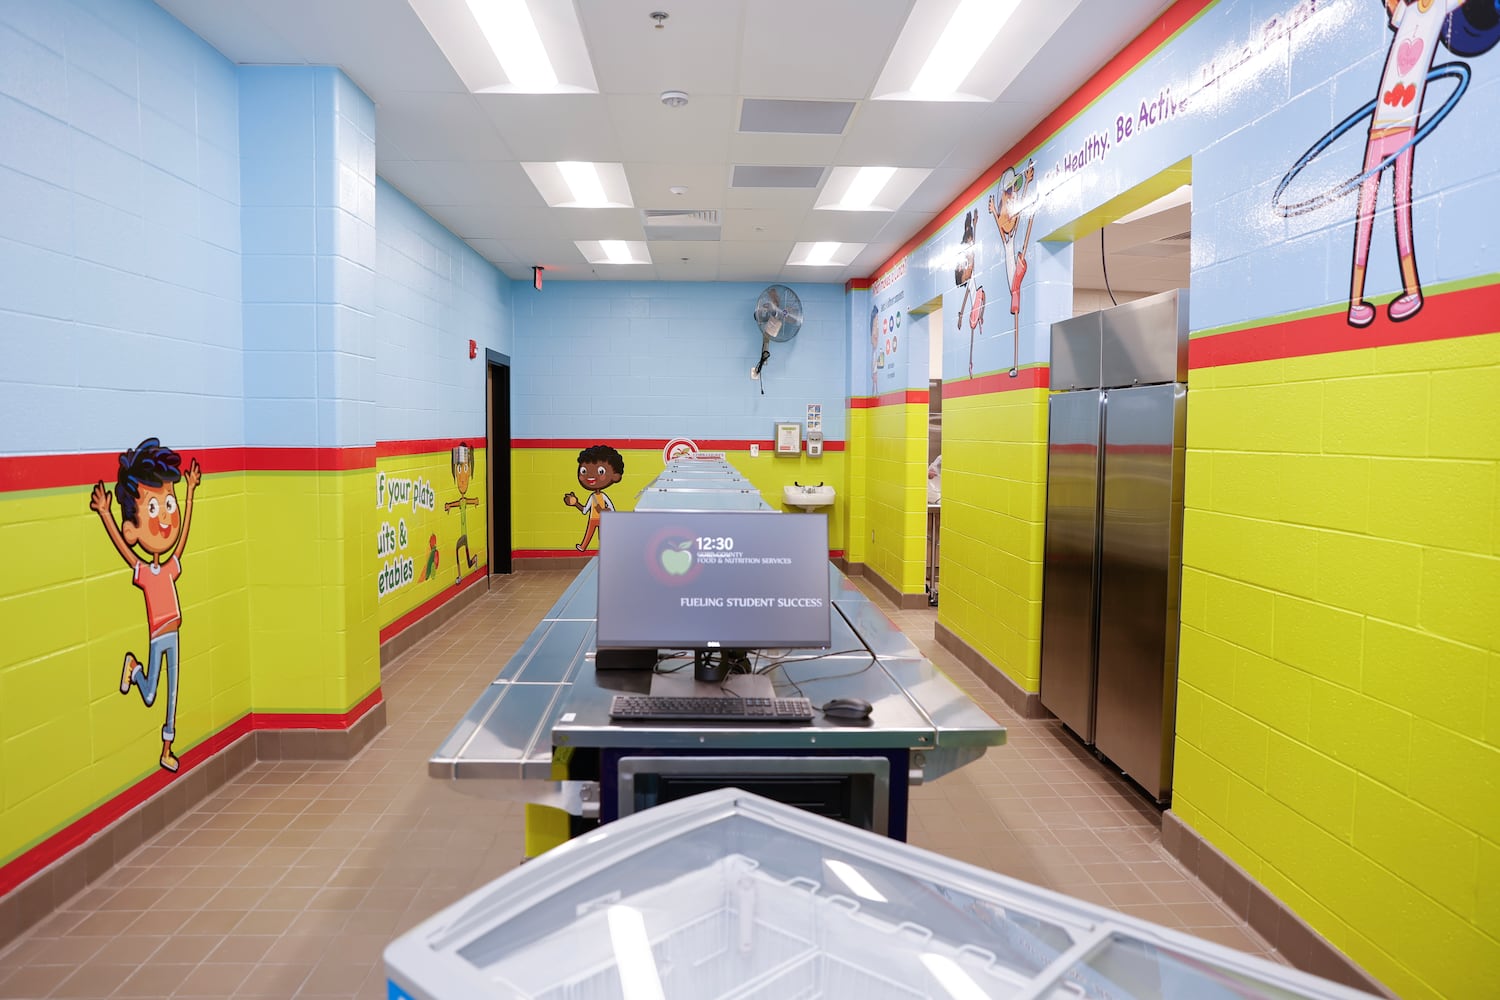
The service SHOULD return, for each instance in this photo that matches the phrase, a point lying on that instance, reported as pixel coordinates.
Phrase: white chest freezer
(730, 895)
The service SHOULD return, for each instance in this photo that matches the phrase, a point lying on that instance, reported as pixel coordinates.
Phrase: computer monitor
(717, 583)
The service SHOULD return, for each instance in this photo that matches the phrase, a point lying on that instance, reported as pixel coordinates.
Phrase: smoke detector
(673, 98)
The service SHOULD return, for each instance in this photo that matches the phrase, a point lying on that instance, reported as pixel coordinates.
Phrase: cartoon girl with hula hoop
(1467, 27)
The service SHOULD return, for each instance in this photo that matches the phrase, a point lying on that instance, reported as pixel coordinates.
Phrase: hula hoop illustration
(1455, 70)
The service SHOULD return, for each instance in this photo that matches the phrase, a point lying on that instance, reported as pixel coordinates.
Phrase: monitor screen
(713, 580)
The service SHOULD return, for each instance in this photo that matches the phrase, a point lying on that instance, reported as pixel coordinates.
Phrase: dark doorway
(497, 384)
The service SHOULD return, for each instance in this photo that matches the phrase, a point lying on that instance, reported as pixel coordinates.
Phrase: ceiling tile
(762, 225)
(438, 127)
(651, 184)
(908, 133)
(650, 131)
(829, 50)
(553, 127)
(460, 182)
(693, 51)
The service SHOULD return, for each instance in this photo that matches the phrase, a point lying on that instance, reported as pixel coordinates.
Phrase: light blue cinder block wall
(659, 360)
(119, 231)
(307, 140)
(434, 295)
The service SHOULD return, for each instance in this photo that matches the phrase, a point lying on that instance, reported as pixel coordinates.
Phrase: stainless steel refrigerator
(1112, 562)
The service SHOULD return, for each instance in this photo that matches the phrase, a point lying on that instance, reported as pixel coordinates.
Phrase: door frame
(497, 407)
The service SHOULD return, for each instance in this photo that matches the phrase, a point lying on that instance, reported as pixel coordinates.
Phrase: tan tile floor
(291, 879)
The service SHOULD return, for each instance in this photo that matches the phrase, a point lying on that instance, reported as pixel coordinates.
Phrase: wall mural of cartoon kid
(1013, 201)
(151, 520)
(599, 468)
(1397, 125)
(463, 472)
(963, 275)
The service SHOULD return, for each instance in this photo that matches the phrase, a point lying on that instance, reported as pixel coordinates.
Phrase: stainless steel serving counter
(549, 696)
(548, 701)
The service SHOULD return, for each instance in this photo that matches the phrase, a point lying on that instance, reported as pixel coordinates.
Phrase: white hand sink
(807, 497)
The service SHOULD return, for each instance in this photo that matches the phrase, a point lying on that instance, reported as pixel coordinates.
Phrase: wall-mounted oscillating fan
(778, 316)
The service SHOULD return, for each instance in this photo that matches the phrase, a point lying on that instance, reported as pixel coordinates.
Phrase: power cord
(1103, 267)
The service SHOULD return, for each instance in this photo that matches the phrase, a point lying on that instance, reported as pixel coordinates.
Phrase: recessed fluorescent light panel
(614, 251)
(869, 189)
(580, 184)
(511, 46)
(824, 254)
(970, 30)
(966, 50)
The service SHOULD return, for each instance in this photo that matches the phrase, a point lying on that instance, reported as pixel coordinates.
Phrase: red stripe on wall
(898, 398)
(44, 472)
(856, 285)
(80, 830)
(392, 449)
(1115, 70)
(1033, 377)
(305, 460)
(430, 605)
(1467, 313)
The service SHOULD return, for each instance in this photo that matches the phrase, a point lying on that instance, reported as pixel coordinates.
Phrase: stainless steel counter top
(549, 695)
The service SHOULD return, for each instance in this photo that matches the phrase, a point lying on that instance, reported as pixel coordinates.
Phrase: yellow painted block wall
(541, 477)
(895, 494)
(69, 740)
(853, 514)
(312, 638)
(1338, 730)
(993, 522)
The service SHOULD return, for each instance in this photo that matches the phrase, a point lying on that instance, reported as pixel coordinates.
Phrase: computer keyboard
(659, 708)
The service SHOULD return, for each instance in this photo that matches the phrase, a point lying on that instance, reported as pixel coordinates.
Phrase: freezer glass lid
(702, 904)
(730, 895)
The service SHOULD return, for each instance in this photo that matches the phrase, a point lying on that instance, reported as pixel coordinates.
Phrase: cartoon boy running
(150, 519)
(599, 467)
(463, 472)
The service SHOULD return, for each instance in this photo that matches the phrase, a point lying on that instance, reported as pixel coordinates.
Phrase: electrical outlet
(755, 451)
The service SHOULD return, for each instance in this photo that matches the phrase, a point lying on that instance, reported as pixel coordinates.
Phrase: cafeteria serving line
(858, 714)
(326, 324)
(293, 877)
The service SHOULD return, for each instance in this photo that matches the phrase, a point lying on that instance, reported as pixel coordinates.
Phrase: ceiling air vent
(757, 176)
(701, 225)
(804, 117)
(1167, 246)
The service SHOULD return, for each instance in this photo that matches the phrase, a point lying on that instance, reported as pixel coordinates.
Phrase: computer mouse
(848, 708)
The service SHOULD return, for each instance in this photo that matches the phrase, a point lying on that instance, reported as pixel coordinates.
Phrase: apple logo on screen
(677, 560)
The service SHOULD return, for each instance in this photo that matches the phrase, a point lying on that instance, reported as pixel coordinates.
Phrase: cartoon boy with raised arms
(151, 520)
(599, 467)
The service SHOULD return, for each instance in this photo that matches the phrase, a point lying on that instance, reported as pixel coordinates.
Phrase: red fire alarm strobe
(473, 349)
(536, 277)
